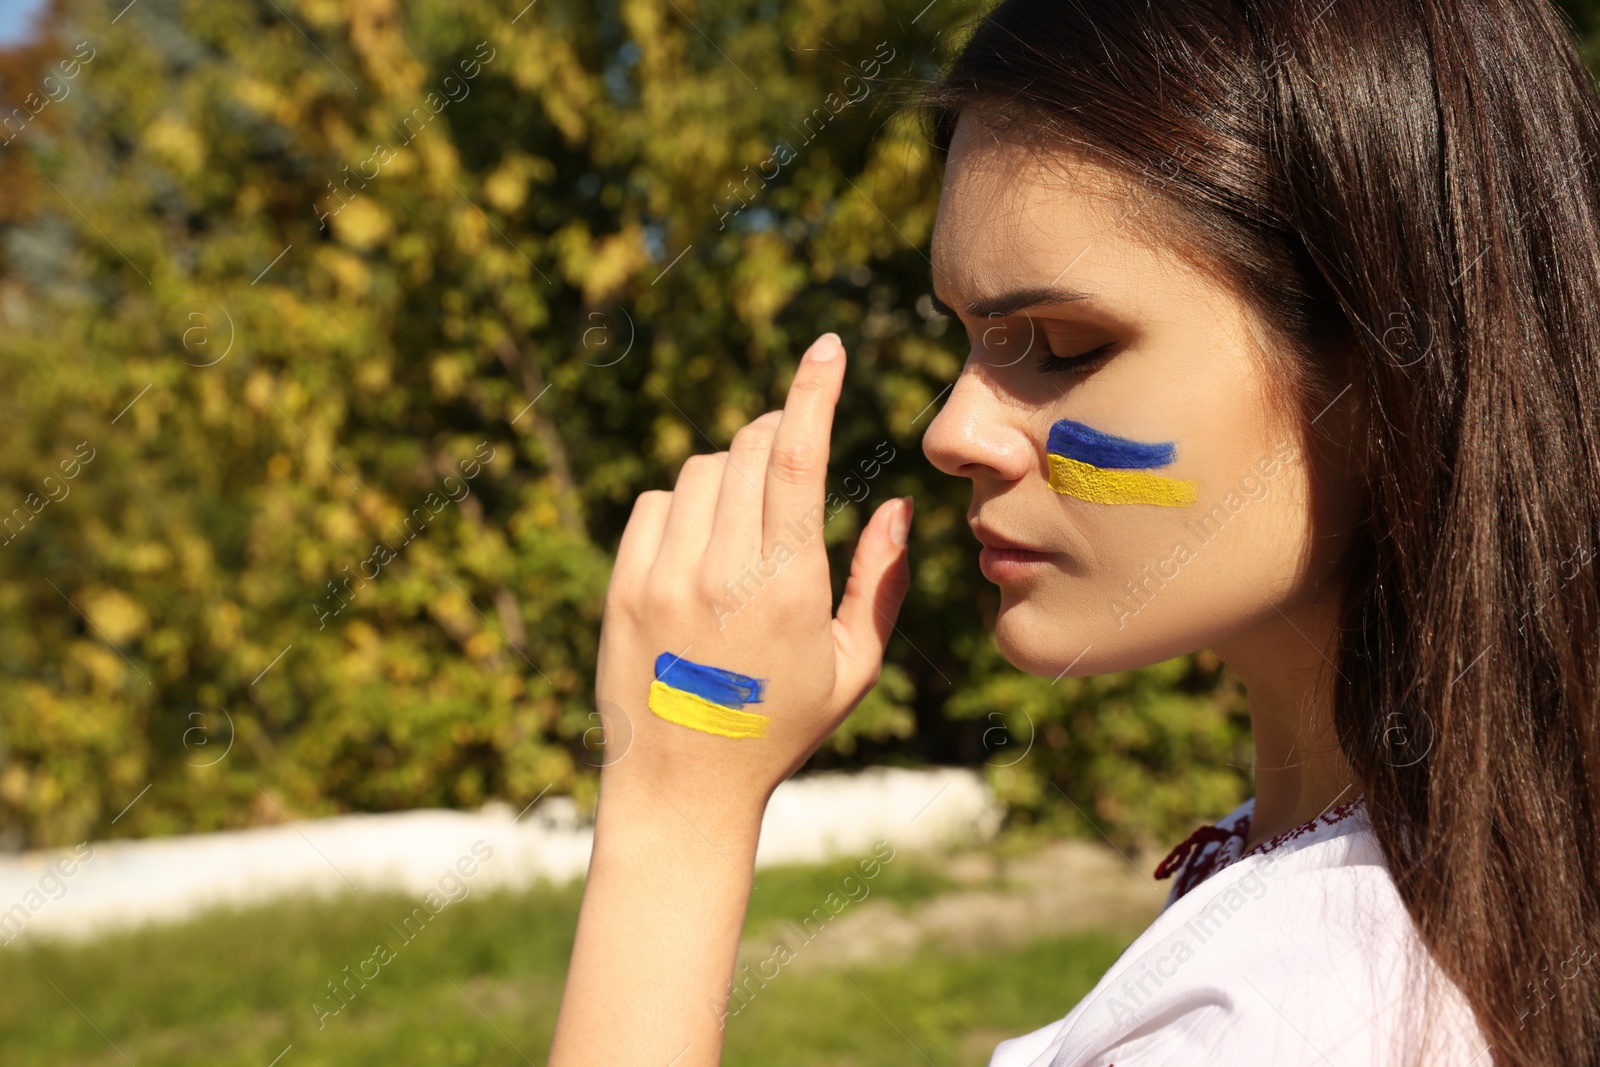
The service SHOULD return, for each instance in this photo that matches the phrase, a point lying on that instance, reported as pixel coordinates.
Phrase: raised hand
(721, 589)
(706, 709)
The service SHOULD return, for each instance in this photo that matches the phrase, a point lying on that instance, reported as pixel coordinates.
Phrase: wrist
(644, 819)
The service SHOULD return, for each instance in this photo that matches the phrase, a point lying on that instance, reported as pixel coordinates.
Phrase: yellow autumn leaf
(117, 616)
(176, 143)
(614, 259)
(361, 223)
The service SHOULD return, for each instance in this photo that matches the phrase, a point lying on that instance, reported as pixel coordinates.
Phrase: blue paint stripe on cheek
(728, 688)
(1088, 445)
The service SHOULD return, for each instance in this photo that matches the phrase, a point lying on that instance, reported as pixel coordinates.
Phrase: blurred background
(336, 339)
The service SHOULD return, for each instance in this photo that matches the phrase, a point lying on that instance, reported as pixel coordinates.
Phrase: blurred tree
(375, 319)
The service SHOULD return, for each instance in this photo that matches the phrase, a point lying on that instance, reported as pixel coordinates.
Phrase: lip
(1006, 562)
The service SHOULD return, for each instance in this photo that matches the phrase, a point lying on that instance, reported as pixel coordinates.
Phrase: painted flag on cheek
(708, 699)
(1105, 469)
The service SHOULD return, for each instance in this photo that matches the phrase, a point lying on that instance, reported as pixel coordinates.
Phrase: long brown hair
(1418, 180)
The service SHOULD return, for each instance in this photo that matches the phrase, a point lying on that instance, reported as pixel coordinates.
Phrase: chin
(1033, 639)
(1045, 641)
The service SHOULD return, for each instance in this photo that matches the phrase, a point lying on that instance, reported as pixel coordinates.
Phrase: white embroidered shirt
(1293, 953)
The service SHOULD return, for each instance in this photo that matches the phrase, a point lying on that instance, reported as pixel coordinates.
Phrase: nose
(978, 434)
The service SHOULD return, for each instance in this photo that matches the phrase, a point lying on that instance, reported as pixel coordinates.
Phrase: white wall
(127, 883)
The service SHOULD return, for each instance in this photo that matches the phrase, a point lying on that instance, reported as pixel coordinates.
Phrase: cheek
(1195, 560)
(1162, 582)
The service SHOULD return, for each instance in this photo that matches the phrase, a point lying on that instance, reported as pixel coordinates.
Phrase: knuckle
(809, 383)
(651, 499)
(622, 601)
(623, 592)
(701, 465)
(660, 598)
(708, 583)
(792, 462)
(754, 437)
(688, 474)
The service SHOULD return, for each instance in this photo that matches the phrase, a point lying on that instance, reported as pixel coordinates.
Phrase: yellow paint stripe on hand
(1100, 486)
(698, 713)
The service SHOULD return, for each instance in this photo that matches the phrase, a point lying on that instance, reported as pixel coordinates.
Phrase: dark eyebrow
(1013, 302)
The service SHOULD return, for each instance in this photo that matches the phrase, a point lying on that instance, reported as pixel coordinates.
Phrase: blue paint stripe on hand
(728, 688)
(1088, 445)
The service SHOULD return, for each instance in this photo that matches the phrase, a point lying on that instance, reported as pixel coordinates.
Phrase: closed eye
(1050, 363)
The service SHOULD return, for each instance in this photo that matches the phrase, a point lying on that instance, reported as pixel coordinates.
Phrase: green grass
(236, 987)
(791, 892)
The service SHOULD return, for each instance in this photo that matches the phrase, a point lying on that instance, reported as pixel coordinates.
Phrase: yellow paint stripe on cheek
(1099, 486)
(698, 713)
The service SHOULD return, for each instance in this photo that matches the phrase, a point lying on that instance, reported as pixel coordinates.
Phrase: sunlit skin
(1188, 363)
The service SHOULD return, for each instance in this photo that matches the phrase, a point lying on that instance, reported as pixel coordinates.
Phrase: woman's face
(1097, 577)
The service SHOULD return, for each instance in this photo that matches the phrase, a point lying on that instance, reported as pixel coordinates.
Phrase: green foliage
(1584, 16)
(1131, 755)
(301, 273)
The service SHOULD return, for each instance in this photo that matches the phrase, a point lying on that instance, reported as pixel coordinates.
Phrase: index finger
(797, 466)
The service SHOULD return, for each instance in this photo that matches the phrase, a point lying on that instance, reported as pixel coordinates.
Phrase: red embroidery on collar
(1194, 861)
(1327, 818)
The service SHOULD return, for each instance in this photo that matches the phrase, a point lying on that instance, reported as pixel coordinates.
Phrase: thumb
(880, 574)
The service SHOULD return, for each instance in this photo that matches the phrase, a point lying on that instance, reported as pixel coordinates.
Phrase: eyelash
(1050, 363)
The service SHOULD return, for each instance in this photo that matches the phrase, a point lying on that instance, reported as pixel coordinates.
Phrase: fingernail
(900, 525)
(822, 349)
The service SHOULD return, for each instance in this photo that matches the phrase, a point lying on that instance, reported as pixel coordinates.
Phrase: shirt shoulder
(1299, 951)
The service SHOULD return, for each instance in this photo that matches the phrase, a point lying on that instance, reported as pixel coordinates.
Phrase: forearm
(657, 933)
(681, 802)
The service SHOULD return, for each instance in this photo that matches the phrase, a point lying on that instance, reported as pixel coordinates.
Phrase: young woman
(1284, 344)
